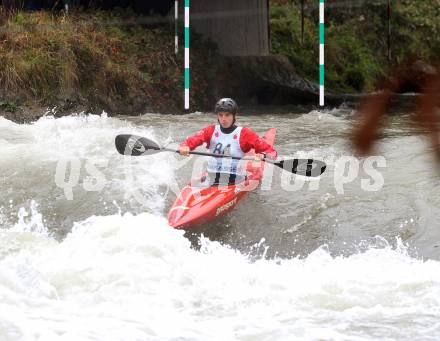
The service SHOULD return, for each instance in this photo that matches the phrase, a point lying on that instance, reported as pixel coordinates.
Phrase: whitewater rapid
(104, 266)
(131, 277)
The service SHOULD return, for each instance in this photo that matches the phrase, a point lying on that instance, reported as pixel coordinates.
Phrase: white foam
(127, 277)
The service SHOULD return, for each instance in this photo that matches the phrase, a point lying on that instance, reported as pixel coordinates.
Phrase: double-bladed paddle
(134, 145)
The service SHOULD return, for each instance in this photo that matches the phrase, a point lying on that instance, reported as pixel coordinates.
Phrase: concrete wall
(239, 27)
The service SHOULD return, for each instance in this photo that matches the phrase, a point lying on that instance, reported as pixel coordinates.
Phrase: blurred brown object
(415, 77)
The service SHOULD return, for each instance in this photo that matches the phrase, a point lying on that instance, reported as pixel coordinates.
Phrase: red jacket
(248, 139)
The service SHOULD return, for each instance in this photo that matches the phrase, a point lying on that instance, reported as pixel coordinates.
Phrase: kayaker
(229, 139)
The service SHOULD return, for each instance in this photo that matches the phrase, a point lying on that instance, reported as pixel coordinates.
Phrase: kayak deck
(196, 205)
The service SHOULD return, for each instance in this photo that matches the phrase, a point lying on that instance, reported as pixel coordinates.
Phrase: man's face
(226, 119)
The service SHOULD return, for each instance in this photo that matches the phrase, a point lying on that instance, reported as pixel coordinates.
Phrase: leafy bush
(355, 39)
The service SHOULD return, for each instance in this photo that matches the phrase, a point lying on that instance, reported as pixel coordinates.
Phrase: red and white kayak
(199, 205)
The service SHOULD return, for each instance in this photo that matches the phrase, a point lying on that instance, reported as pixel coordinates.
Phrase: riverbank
(94, 61)
(362, 43)
(125, 64)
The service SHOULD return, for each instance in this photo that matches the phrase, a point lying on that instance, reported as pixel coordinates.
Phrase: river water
(86, 252)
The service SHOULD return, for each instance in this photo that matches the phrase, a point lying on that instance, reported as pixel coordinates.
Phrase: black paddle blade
(134, 145)
(305, 167)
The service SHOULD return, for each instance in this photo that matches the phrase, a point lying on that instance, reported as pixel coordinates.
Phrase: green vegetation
(355, 38)
(8, 107)
(103, 60)
(114, 60)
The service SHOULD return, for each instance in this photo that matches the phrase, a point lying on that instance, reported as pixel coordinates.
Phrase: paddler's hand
(184, 150)
(259, 157)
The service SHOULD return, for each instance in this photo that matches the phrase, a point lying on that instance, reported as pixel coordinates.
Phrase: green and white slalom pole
(186, 54)
(321, 52)
(176, 27)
